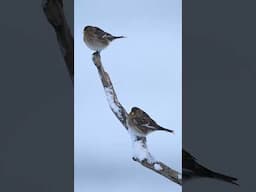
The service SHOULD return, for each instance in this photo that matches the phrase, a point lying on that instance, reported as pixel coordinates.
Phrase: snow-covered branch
(53, 10)
(113, 102)
(140, 149)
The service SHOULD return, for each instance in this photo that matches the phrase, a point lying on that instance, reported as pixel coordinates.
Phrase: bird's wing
(145, 121)
(147, 125)
(101, 34)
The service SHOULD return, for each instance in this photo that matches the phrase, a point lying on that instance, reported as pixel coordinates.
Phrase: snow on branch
(140, 149)
(53, 10)
(112, 99)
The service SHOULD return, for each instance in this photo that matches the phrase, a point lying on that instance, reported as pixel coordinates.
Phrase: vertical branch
(53, 10)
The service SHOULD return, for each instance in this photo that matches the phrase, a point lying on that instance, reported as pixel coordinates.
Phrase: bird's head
(86, 27)
(134, 111)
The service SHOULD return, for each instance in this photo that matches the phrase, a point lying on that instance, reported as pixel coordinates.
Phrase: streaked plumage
(97, 39)
(142, 123)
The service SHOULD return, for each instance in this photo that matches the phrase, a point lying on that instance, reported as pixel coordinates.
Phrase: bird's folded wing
(147, 125)
(101, 34)
(145, 122)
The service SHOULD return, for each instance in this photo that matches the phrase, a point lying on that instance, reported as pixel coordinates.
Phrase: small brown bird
(142, 123)
(97, 39)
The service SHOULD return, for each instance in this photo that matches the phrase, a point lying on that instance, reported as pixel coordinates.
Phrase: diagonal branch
(142, 154)
(113, 102)
(162, 169)
(53, 10)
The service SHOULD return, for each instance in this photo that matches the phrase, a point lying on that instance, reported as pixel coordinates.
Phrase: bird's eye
(132, 113)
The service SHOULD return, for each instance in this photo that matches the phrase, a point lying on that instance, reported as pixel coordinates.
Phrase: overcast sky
(145, 69)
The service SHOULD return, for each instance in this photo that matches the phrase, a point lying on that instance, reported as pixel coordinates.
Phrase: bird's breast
(136, 129)
(94, 43)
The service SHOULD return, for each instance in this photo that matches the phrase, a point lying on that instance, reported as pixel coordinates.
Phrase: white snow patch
(157, 167)
(140, 150)
(110, 98)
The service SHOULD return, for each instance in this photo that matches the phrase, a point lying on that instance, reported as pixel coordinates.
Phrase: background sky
(145, 69)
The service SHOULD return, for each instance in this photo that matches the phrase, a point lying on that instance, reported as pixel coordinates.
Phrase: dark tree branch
(53, 10)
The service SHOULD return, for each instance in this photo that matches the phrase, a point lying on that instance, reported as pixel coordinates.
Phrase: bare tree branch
(53, 10)
(163, 170)
(113, 102)
(140, 143)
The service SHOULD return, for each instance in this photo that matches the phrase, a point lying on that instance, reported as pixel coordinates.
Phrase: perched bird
(97, 39)
(142, 124)
(192, 169)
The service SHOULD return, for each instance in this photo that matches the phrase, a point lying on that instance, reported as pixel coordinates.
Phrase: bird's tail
(209, 173)
(116, 37)
(164, 129)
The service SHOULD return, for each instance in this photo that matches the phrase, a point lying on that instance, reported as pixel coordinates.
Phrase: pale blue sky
(145, 69)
